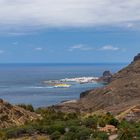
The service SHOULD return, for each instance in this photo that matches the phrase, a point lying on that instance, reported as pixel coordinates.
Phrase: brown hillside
(11, 115)
(119, 95)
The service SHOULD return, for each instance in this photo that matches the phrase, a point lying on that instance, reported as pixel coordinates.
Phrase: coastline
(27, 82)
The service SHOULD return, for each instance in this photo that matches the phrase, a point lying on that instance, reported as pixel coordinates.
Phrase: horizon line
(65, 63)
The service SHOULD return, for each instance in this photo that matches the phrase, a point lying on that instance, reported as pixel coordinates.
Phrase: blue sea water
(23, 83)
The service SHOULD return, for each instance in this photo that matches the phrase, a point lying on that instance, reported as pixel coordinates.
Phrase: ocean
(23, 83)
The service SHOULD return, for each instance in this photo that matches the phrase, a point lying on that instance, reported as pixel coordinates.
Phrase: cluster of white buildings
(81, 79)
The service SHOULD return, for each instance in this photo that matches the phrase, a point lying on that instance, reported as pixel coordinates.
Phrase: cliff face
(119, 95)
(11, 115)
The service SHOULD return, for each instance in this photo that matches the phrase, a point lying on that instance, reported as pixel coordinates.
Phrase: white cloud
(15, 14)
(80, 47)
(39, 49)
(109, 48)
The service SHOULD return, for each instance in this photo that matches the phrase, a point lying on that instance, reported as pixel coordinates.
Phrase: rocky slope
(11, 115)
(122, 93)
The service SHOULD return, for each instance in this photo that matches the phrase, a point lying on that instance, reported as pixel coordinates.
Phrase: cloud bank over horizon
(34, 14)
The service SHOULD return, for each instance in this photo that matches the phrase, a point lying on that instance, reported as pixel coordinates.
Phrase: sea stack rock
(106, 76)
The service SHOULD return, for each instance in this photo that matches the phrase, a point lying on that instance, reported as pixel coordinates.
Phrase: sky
(69, 31)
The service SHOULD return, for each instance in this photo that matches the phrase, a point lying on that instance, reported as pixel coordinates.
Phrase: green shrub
(100, 135)
(3, 136)
(74, 129)
(113, 121)
(71, 116)
(127, 131)
(15, 132)
(138, 132)
(73, 122)
(109, 119)
(27, 107)
(56, 127)
(69, 136)
(102, 123)
(90, 122)
(29, 129)
(55, 136)
(83, 134)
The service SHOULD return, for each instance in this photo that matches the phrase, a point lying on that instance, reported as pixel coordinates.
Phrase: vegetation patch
(71, 126)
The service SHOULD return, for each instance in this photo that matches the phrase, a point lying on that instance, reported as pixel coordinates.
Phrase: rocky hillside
(11, 115)
(122, 93)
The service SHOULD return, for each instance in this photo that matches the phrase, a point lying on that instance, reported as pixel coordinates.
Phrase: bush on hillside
(27, 107)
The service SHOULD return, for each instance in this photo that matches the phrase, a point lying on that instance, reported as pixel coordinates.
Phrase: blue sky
(70, 31)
